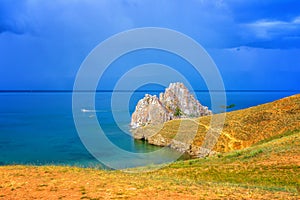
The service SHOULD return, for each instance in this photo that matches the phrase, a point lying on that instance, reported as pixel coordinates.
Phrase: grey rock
(175, 102)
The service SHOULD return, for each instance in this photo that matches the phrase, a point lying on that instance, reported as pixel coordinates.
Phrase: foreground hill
(268, 170)
(241, 129)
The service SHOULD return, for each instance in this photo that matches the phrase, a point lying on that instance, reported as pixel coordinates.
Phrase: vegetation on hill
(241, 129)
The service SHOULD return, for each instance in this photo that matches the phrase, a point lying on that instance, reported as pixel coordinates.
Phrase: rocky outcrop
(179, 101)
(149, 110)
(241, 129)
(175, 102)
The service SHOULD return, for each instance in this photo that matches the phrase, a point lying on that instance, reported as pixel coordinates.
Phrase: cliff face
(179, 101)
(149, 110)
(175, 102)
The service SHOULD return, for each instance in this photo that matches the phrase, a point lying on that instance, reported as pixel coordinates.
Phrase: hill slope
(241, 129)
(269, 170)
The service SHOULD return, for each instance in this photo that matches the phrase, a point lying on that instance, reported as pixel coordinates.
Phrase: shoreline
(263, 171)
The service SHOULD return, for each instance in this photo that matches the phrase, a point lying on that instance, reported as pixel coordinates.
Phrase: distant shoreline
(70, 91)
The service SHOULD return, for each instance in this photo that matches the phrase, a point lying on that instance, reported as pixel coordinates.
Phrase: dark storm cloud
(254, 10)
(13, 17)
(50, 39)
(272, 24)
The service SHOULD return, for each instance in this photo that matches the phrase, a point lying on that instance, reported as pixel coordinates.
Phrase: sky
(255, 44)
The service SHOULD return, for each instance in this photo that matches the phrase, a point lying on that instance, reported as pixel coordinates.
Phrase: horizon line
(197, 90)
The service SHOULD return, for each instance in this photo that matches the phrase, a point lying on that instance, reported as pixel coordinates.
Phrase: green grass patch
(285, 134)
(239, 167)
(253, 153)
(234, 154)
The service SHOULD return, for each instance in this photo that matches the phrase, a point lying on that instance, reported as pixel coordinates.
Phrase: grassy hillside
(241, 129)
(268, 170)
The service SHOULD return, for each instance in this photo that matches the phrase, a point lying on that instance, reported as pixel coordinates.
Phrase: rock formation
(241, 129)
(149, 110)
(175, 102)
(180, 102)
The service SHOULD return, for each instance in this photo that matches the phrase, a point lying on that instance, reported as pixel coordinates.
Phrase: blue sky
(255, 44)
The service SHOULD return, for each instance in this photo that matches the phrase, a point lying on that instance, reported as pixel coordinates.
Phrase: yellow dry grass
(241, 129)
(266, 171)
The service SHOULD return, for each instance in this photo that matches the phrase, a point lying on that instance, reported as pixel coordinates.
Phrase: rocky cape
(175, 103)
(242, 128)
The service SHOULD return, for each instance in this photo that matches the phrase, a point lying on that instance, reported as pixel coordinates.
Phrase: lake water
(38, 128)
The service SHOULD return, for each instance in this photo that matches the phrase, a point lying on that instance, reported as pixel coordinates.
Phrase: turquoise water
(38, 128)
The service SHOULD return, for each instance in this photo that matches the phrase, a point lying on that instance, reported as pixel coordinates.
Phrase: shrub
(178, 112)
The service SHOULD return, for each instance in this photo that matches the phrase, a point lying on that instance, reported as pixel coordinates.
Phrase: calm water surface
(38, 128)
